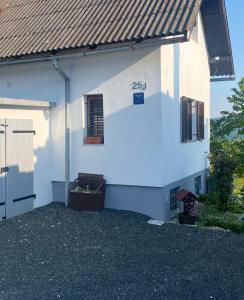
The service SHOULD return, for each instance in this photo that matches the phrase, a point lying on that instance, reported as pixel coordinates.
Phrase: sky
(221, 90)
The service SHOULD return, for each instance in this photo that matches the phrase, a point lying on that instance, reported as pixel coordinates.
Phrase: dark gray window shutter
(95, 121)
(186, 119)
(189, 120)
(200, 120)
(184, 127)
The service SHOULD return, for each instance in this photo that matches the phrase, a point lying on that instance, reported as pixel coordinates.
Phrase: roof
(217, 37)
(38, 27)
(32, 26)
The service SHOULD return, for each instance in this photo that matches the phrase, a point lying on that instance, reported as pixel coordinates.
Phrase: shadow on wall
(16, 192)
(47, 85)
(43, 166)
(134, 152)
(133, 140)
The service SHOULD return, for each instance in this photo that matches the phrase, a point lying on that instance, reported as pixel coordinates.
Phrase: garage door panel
(19, 159)
(2, 165)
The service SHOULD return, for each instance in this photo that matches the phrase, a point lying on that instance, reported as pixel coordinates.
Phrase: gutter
(223, 78)
(47, 57)
(60, 71)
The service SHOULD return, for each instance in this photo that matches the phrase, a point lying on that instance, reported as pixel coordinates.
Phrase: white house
(119, 88)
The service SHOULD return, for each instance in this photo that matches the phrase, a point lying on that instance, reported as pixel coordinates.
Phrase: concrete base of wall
(58, 191)
(144, 200)
(151, 201)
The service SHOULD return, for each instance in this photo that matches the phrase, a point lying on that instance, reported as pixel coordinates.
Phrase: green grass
(239, 184)
(211, 216)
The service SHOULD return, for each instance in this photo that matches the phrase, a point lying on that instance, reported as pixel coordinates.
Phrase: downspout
(67, 128)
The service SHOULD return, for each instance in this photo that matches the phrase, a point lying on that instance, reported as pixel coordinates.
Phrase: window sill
(94, 140)
(192, 141)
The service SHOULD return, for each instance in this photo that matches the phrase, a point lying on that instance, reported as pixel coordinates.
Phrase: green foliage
(221, 179)
(221, 207)
(234, 149)
(235, 209)
(210, 216)
(204, 198)
(239, 186)
(233, 120)
(242, 194)
(227, 132)
(234, 226)
(210, 199)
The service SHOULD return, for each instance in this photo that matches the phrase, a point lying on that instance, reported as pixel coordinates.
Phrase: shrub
(211, 216)
(204, 198)
(221, 179)
(233, 225)
(242, 193)
(236, 208)
(211, 199)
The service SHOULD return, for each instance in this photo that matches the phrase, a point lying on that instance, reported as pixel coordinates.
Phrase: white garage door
(16, 164)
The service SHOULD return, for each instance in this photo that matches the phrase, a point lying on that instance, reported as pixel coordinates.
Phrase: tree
(234, 120)
(233, 149)
(227, 132)
(221, 179)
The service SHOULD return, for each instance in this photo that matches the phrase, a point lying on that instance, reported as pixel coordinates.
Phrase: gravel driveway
(57, 253)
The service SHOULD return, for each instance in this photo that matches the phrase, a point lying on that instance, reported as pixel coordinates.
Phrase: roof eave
(107, 48)
(223, 78)
(221, 64)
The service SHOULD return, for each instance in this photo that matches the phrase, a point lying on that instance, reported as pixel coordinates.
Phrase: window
(173, 201)
(198, 185)
(192, 127)
(95, 119)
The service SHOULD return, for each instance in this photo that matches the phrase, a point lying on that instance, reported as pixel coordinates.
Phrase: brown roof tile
(30, 27)
(35, 26)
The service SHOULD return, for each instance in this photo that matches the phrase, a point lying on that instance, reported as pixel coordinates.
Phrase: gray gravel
(57, 253)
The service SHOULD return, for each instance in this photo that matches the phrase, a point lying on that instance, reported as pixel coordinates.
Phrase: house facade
(137, 113)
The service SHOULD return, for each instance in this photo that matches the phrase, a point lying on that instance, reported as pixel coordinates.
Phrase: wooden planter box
(189, 220)
(93, 201)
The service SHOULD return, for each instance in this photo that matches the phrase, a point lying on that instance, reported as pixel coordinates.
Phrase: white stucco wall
(142, 142)
(131, 151)
(185, 72)
(131, 154)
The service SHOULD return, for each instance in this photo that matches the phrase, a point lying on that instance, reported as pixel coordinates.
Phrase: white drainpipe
(67, 128)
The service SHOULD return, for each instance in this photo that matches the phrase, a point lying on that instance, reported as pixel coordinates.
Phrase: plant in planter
(191, 207)
(85, 190)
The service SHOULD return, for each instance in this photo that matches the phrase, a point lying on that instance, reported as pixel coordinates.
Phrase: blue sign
(138, 98)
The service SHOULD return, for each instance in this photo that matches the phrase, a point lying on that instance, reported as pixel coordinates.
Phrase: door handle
(4, 170)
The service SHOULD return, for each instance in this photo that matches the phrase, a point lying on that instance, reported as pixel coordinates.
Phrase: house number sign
(138, 98)
(138, 86)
